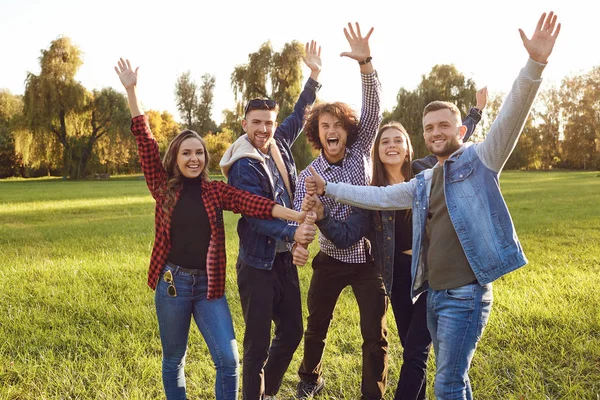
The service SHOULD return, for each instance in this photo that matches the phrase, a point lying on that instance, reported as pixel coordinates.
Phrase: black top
(403, 234)
(190, 229)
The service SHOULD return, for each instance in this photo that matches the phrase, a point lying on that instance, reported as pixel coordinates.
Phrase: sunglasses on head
(168, 277)
(258, 104)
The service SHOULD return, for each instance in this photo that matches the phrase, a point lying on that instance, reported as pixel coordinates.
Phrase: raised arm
(291, 127)
(128, 78)
(508, 125)
(370, 115)
(152, 167)
(312, 59)
(474, 115)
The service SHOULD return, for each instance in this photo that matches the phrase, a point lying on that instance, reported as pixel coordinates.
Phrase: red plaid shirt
(216, 195)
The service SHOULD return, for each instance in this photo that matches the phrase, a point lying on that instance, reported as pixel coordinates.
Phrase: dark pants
(411, 320)
(329, 278)
(269, 295)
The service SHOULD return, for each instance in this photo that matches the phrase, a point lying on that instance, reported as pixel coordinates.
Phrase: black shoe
(307, 390)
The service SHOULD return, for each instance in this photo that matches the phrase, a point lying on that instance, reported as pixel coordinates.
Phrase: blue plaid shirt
(355, 169)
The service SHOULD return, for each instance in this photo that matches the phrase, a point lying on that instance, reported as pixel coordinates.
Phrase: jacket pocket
(463, 181)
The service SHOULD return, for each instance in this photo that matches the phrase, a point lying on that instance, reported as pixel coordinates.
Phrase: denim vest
(479, 215)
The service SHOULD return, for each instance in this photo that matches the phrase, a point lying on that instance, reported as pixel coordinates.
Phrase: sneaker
(270, 397)
(307, 390)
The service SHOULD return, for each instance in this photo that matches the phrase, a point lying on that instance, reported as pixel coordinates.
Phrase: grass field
(77, 320)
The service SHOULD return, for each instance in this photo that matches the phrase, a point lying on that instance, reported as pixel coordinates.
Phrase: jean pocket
(461, 293)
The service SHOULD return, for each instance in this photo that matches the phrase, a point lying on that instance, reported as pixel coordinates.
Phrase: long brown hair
(174, 181)
(380, 177)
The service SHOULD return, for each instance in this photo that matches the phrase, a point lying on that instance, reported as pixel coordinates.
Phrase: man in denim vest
(463, 235)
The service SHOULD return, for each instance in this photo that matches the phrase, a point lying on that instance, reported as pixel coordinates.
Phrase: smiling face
(191, 158)
(333, 137)
(393, 149)
(443, 132)
(260, 126)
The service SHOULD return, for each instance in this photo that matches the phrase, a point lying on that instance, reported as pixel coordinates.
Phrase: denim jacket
(258, 236)
(383, 241)
(479, 215)
(471, 184)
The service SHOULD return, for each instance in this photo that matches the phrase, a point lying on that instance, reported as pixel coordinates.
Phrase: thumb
(345, 54)
(523, 36)
(311, 217)
(313, 172)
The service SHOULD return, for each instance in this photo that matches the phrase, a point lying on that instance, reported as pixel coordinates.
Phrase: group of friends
(428, 236)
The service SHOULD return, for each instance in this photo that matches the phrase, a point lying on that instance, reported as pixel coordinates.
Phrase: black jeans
(269, 295)
(329, 278)
(411, 320)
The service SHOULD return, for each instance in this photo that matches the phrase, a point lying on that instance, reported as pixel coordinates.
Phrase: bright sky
(168, 38)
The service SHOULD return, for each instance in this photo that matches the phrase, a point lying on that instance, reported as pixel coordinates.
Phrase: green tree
(216, 145)
(581, 105)
(186, 98)
(58, 108)
(205, 105)
(195, 103)
(444, 82)
(11, 112)
(274, 75)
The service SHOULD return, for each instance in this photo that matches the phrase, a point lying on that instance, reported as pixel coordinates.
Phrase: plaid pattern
(355, 169)
(217, 196)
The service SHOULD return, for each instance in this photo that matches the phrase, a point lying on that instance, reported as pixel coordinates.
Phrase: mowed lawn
(77, 319)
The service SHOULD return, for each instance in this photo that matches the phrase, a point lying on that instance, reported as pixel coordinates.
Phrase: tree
(195, 103)
(163, 126)
(581, 105)
(444, 82)
(59, 109)
(187, 99)
(274, 75)
(11, 110)
(205, 105)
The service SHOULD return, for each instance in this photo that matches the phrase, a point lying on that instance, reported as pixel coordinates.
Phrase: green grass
(77, 319)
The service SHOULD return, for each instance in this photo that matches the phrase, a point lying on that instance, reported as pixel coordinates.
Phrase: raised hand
(358, 44)
(481, 96)
(314, 184)
(542, 41)
(126, 74)
(312, 57)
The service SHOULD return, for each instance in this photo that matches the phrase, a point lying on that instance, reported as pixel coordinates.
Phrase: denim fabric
(456, 319)
(269, 296)
(258, 236)
(479, 215)
(214, 322)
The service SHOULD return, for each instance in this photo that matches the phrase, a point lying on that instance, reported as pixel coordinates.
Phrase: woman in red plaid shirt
(187, 266)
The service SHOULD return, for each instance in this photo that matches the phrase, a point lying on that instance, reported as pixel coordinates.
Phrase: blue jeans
(214, 322)
(456, 319)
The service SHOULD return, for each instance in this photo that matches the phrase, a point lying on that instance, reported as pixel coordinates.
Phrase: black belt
(177, 268)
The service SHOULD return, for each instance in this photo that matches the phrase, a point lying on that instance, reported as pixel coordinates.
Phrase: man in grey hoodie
(261, 162)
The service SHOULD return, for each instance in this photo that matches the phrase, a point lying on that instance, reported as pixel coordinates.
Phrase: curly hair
(174, 181)
(339, 110)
